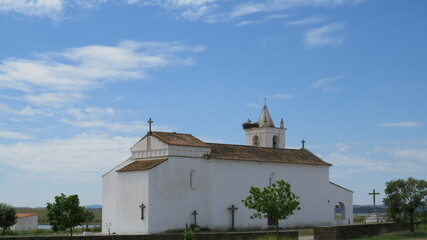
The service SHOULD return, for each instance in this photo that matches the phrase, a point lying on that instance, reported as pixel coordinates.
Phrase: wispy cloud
(402, 124)
(281, 96)
(55, 78)
(324, 36)
(13, 135)
(104, 119)
(362, 164)
(325, 84)
(38, 8)
(306, 21)
(68, 156)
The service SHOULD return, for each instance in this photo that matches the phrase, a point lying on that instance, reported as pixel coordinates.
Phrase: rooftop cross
(149, 125)
(303, 143)
(373, 193)
(265, 101)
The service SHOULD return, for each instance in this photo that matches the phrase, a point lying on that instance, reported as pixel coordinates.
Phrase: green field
(42, 212)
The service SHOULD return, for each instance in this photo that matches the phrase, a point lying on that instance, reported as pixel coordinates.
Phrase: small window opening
(255, 141)
(275, 141)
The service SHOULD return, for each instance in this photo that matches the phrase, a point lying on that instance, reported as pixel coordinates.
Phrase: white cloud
(323, 36)
(402, 124)
(244, 23)
(78, 156)
(254, 105)
(103, 118)
(55, 78)
(248, 8)
(281, 96)
(325, 84)
(306, 21)
(13, 135)
(38, 8)
(361, 164)
(408, 153)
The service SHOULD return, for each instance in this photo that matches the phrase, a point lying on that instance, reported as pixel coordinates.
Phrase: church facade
(173, 179)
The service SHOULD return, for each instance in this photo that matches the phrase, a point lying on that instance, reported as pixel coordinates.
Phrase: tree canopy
(7, 217)
(65, 213)
(405, 199)
(276, 202)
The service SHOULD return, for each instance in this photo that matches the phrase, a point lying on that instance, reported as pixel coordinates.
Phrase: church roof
(25, 215)
(263, 154)
(142, 165)
(265, 118)
(173, 138)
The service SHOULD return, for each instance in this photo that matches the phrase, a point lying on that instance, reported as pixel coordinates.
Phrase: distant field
(42, 212)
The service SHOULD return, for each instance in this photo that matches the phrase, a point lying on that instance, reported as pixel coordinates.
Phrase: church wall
(230, 184)
(132, 192)
(171, 196)
(337, 195)
(150, 147)
(109, 198)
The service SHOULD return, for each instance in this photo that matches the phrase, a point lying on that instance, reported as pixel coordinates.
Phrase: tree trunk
(411, 222)
(277, 229)
(71, 231)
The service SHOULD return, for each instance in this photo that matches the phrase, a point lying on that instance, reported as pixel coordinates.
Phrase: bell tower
(263, 133)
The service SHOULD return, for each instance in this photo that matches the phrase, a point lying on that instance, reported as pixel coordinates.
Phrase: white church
(173, 179)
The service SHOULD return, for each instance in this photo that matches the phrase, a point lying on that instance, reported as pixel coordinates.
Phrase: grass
(43, 220)
(421, 234)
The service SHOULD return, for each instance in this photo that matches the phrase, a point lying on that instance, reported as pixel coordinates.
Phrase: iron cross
(303, 143)
(149, 125)
(232, 209)
(373, 193)
(195, 216)
(142, 211)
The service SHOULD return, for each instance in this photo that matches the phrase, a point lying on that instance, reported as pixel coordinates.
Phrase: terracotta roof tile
(142, 165)
(263, 154)
(179, 139)
(24, 215)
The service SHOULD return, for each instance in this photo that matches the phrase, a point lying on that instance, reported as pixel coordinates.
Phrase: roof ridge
(173, 133)
(241, 145)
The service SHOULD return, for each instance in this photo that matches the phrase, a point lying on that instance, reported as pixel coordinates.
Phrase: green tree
(404, 198)
(65, 213)
(7, 217)
(275, 202)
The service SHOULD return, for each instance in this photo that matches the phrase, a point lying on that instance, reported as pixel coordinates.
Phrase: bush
(189, 234)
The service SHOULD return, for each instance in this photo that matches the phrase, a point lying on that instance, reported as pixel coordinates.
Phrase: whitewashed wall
(230, 185)
(339, 194)
(109, 198)
(171, 197)
(26, 223)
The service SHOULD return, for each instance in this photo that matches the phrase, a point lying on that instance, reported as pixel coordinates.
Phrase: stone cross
(195, 216)
(232, 209)
(303, 143)
(373, 193)
(149, 125)
(142, 211)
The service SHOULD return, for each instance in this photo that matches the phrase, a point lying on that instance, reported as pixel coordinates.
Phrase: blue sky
(79, 80)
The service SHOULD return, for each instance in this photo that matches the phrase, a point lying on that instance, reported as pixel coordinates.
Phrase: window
(275, 141)
(255, 141)
(192, 179)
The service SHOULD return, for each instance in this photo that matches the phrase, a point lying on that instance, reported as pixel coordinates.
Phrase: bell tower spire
(264, 133)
